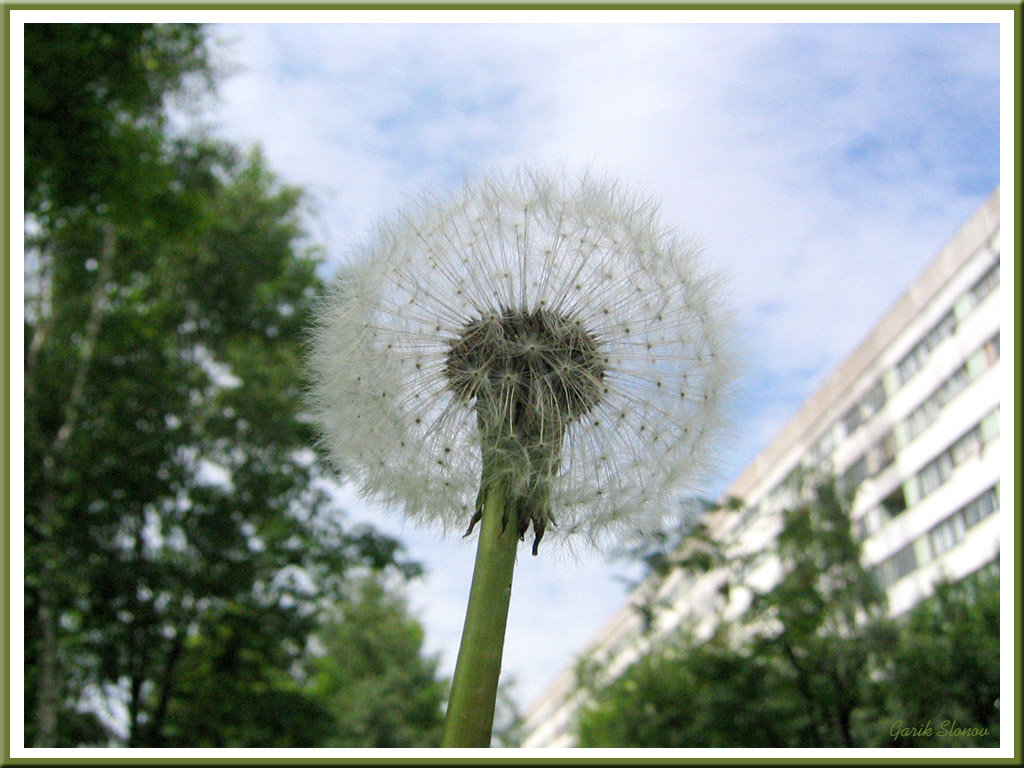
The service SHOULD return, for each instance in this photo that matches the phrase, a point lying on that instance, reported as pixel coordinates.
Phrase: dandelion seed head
(557, 325)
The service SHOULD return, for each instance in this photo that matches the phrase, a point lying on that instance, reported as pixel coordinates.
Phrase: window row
(883, 453)
(875, 459)
(938, 470)
(914, 359)
(939, 539)
(926, 413)
(982, 287)
(870, 404)
(946, 326)
(875, 398)
(929, 477)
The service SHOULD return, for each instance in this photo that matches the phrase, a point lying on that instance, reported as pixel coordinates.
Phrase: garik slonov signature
(945, 728)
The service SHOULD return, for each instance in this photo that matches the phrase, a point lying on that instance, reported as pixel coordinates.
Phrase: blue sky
(822, 165)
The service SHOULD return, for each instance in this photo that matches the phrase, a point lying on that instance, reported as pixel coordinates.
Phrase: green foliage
(94, 111)
(181, 545)
(813, 662)
(945, 666)
(379, 689)
(816, 610)
(689, 695)
(238, 684)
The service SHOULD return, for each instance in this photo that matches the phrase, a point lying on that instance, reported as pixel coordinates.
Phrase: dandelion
(530, 356)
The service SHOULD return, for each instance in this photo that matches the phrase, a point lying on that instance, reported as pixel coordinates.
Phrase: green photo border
(133, 756)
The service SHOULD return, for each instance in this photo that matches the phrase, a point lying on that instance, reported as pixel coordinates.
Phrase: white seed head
(557, 325)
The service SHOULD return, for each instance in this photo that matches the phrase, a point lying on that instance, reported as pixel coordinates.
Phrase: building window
(872, 521)
(867, 524)
(882, 454)
(914, 359)
(982, 507)
(985, 285)
(870, 404)
(920, 418)
(939, 469)
(935, 473)
(943, 329)
(939, 539)
(991, 350)
(989, 427)
(966, 447)
(895, 503)
(896, 567)
(926, 413)
(852, 419)
(873, 400)
(977, 292)
(822, 449)
(952, 386)
(951, 531)
(855, 474)
(947, 534)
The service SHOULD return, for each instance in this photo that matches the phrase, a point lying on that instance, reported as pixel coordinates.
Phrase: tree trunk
(803, 685)
(137, 657)
(48, 693)
(154, 733)
(843, 707)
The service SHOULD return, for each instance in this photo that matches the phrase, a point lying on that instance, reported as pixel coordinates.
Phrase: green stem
(475, 685)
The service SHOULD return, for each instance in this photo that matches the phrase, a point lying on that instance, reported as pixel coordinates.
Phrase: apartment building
(910, 419)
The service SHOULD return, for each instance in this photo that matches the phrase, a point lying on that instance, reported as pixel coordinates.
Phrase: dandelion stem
(470, 714)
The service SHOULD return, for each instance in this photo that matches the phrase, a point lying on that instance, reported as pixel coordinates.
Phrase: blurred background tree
(813, 661)
(185, 568)
(945, 665)
(689, 694)
(379, 689)
(824, 619)
(96, 98)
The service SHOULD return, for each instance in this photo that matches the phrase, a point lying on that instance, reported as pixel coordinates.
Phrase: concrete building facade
(910, 419)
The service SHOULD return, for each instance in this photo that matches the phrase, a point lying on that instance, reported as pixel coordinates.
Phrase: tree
(824, 617)
(686, 544)
(94, 98)
(181, 545)
(944, 669)
(95, 117)
(690, 694)
(372, 676)
(185, 489)
(813, 662)
(795, 672)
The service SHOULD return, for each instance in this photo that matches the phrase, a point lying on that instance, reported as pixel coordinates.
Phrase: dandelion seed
(519, 308)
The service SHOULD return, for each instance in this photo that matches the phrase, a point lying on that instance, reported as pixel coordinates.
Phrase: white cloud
(823, 166)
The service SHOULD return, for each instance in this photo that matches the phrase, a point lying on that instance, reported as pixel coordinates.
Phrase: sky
(822, 166)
